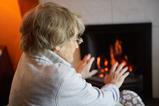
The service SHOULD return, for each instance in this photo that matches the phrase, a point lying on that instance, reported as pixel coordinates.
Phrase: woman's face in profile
(67, 51)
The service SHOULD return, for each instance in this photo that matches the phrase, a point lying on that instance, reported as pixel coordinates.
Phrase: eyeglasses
(79, 40)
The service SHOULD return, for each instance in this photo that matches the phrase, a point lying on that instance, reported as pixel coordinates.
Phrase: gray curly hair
(48, 25)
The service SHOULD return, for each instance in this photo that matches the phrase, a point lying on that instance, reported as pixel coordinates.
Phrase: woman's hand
(117, 75)
(84, 67)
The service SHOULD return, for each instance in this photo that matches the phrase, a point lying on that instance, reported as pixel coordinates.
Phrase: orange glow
(124, 62)
(106, 69)
(118, 47)
(98, 62)
(126, 57)
(26, 5)
(101, 76)
(102, 70)
(116, 55)
(130, 68)
(10, 19)
(105, 63)
(115, 51)
(113, 60)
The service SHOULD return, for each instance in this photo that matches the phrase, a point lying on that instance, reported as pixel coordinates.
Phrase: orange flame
(101, 75)
(105, 63)
(116, 55)
(98, 62)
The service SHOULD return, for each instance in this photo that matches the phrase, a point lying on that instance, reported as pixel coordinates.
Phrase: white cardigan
(48, 80)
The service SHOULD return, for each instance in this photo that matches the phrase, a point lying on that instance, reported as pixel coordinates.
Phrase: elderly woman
(45, 75)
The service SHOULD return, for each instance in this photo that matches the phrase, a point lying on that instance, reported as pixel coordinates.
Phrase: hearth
(128, 43)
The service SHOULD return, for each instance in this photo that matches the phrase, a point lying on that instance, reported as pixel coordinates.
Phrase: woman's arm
(75, 91)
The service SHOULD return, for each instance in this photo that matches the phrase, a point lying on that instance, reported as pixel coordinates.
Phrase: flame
(130, 68)
(102, 70)
(101, 75)
(105, 63)
(116, 55)
(106, 69)
(98, 62)
(118, 47)
(113, 60)
(116, 51)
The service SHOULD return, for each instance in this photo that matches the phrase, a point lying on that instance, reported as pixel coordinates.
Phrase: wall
(121, 11)
(26, 5)
(9, 27)
(11, 12)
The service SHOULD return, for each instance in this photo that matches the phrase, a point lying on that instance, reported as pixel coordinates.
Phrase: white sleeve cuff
(114, 89)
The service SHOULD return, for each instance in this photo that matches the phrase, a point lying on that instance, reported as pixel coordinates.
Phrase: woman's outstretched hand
(85, 65)
(117, 75)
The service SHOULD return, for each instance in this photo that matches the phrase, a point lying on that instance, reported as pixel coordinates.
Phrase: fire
(98, 62)
(105, 63)
(102, 68)
(115, 52)
(101, 75)
(116, 55)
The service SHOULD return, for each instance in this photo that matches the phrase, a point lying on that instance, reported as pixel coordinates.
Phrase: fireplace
(128, 43)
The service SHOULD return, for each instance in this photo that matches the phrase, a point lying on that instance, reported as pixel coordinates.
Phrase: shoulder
(58, 70)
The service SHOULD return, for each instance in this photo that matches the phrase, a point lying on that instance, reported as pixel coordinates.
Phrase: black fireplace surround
(136, 44)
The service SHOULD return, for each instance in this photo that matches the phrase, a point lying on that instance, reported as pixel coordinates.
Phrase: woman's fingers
(91, 61)
(125, 75)
(81, 66)
(83, 62)
(123, 71)
(117, 75)
(120, 67)
(114, 67)
(86, 58)
(93, 72)
(85, 65)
